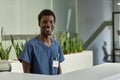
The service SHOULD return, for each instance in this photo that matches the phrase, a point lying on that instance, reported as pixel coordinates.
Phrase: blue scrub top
(40, 57)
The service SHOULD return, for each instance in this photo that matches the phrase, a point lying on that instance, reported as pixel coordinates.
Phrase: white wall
(8, 15)
(20, 16)
(97, 44)
(91, 14)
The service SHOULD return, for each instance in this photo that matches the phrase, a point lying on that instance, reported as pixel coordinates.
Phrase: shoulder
(32, 41)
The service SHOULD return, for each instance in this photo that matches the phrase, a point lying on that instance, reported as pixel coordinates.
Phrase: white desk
(77, 61)
(94, 73)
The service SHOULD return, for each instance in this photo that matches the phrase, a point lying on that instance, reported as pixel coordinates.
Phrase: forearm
(26, 67)
(59, 70)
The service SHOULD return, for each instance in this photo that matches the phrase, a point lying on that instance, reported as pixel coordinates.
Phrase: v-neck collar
(43, 43)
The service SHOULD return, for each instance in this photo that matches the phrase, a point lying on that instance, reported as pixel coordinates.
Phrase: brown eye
(51, 22)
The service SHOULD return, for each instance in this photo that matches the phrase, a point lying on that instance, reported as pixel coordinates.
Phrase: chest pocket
(55, 61)
(55, 54)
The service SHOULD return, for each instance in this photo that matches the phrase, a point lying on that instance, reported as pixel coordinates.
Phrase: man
(43, 54)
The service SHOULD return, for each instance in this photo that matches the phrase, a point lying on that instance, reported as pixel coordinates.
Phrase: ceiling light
(118, 3)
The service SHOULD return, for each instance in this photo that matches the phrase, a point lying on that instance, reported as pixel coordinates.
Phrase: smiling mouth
(48, 31)
(48, 28)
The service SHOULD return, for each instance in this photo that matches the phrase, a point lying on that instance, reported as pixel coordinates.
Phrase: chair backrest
(105, 51)
(105, 54)
(5, 66)
(107, 57)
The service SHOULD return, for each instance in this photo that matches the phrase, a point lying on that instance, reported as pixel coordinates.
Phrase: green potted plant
(4, 51)
(18, 46)
(70, 44)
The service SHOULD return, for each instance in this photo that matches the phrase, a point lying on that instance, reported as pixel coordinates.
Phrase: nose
(48, 25)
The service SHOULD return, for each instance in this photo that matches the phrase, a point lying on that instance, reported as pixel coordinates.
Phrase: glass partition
(116, 36)
(65, 11)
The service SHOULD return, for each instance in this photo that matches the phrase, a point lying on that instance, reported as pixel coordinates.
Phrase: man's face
(47, 25)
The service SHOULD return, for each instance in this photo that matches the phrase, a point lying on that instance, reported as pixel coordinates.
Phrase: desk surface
(94, 73)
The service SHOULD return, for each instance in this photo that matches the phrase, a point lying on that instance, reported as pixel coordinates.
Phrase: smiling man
(43, 54)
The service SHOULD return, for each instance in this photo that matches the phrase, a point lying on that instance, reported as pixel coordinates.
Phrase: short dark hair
(46, 12)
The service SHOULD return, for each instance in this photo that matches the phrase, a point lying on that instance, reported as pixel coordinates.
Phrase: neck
(45, 40)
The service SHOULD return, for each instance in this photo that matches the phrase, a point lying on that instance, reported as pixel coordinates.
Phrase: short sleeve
(61, 55)
(26, 53)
